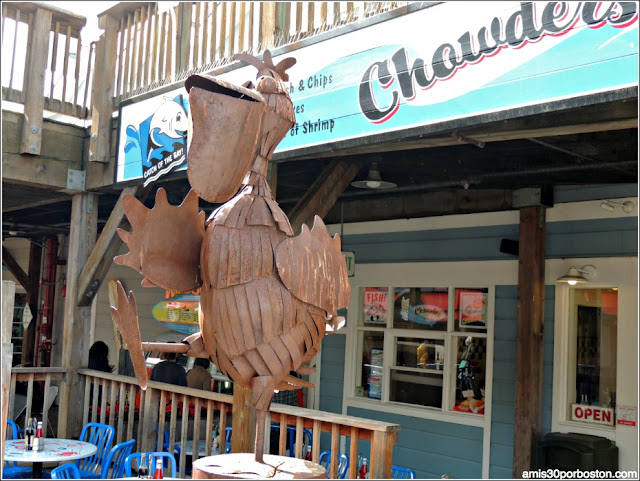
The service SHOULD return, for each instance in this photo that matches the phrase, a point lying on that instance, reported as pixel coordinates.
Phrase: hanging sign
(591, 414)
(445, 62)
(180, 313)
(350, 259)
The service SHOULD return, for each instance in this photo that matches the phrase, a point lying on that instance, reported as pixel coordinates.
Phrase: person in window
(169, 371)
(198, 377)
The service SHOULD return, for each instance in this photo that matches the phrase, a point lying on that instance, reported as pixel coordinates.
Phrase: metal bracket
(75, 181)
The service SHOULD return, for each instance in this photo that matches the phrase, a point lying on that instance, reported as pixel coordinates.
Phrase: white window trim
(611, 272)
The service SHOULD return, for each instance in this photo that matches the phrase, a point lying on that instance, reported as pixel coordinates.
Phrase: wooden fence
(144, 415)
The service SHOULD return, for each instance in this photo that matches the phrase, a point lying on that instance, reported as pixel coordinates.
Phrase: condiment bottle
(38, 441)
(364, 471)
(308, 455)
(29, 434)
(143, 469)
(158, 472)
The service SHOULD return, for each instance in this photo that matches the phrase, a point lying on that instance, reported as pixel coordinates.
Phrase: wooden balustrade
(143, 415)
(61, 77)
(31, 375)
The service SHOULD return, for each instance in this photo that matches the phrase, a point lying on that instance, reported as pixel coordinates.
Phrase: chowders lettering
(523, 26)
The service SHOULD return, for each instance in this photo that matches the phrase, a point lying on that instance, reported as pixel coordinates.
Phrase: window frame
(453, 275)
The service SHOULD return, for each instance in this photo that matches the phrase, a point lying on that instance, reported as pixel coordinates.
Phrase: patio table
(55, 450)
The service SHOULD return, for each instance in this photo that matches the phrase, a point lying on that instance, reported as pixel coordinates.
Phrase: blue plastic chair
(343, 463)
(12, 470)
(66, 471)
(115, 460)
(398, 472)
(102, 436)
(291, 431)
(152, 465)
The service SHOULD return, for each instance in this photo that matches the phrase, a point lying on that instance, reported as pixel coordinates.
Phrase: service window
(423, 346)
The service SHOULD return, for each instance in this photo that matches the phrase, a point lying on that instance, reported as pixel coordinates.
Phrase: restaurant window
(424, 346)
(593, 332)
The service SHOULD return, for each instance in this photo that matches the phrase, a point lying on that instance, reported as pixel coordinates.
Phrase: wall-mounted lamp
(578, 276)
(610, 205)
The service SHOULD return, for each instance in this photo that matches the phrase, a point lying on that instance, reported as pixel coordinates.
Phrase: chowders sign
(435, 64)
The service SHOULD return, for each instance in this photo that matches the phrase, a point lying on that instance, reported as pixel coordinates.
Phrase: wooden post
(183, 36)
(267, 25)
(381, 455)
(243, 422)
(77, 320)
(102, 91)
(8, 301)
(31, 138)
(33, 295)
(529, 347)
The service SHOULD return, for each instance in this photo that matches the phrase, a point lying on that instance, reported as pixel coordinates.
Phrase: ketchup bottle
(364, 471)
(158, 472)
(307, 456)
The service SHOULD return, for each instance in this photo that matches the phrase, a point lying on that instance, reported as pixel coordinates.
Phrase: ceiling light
(373, 180)
(578, 276)
(610, 205)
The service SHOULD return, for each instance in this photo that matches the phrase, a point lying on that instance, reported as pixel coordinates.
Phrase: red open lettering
(596, 414)
(606, 416)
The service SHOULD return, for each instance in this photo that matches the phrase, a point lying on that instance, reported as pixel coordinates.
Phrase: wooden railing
(135, 413)
(31, 375)
(157, 47)
(29, 30)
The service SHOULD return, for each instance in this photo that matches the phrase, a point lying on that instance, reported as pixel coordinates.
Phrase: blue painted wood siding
(430, 446)
(504, 373)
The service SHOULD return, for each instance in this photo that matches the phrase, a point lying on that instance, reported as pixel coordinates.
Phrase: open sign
(591, 414)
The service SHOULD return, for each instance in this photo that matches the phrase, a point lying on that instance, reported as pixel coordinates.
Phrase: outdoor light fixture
(373, 180)
(610, 205)
(578, 276)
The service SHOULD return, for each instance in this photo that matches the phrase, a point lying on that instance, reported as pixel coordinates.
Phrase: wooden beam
(101, 258)
(529, 345)
(8, 302)
(324, 192)
(243, 421)
(15, 269)
(33, 297)
(102, 91)
(419, 204)
(34, 171)
(31, 138)
(77, 320)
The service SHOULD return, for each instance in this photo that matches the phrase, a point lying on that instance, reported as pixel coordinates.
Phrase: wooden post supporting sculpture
(267, 298)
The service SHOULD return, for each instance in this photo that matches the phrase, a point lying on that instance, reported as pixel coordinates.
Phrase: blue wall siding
(431, 448)
(585, 238)
(504, 373)
(332, 373)
(434, 448)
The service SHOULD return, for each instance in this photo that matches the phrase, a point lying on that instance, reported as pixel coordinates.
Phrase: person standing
(169, 371)
(198, 377)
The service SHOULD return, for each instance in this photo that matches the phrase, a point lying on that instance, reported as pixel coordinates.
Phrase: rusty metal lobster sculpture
(267, 298)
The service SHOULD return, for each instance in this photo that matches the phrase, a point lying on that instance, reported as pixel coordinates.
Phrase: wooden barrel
(244, 466)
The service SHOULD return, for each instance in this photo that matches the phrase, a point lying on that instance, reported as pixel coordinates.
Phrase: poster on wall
(375, 305)
(471, 307)
(426, 306)
(433, 65)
